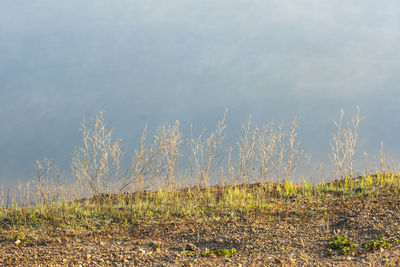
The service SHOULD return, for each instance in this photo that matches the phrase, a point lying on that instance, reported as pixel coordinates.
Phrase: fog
(161, 61)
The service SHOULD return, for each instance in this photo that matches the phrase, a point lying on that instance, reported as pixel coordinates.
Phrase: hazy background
(159, 61)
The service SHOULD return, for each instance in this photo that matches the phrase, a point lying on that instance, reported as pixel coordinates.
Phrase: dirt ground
(297, 237)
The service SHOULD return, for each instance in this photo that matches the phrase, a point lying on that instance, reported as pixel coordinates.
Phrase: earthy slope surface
(295, 231)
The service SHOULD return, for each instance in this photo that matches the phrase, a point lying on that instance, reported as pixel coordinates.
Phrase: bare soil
(296, 234)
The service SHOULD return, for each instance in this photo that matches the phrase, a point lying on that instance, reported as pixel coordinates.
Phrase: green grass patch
(218, 252)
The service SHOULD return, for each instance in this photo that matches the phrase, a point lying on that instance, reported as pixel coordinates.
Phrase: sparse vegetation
(148, 213)
(377, 244)
(347, 246)
(344, 245)
(218, 252)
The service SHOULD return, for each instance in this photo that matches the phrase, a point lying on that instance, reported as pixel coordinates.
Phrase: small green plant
(190, 253)
(377, 244)
(343, 245)
(347, 246)
(156, 246)
(218, 252)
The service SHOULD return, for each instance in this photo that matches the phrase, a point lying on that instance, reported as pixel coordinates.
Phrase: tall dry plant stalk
(267, 142)
(154, 165)
(245, 167)
(344, 144)
(145, 165)
(44, 188)
(383, 160)
(294, 155)
(170, 139)
(205, 153)
(272, 149)
(97, 162)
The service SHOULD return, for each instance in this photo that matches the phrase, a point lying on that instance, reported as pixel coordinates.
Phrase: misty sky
(161, 61)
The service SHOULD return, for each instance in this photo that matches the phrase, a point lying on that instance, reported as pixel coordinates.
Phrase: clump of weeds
(343, 245)
(346, 246)
(218, 252)
(377, 244)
